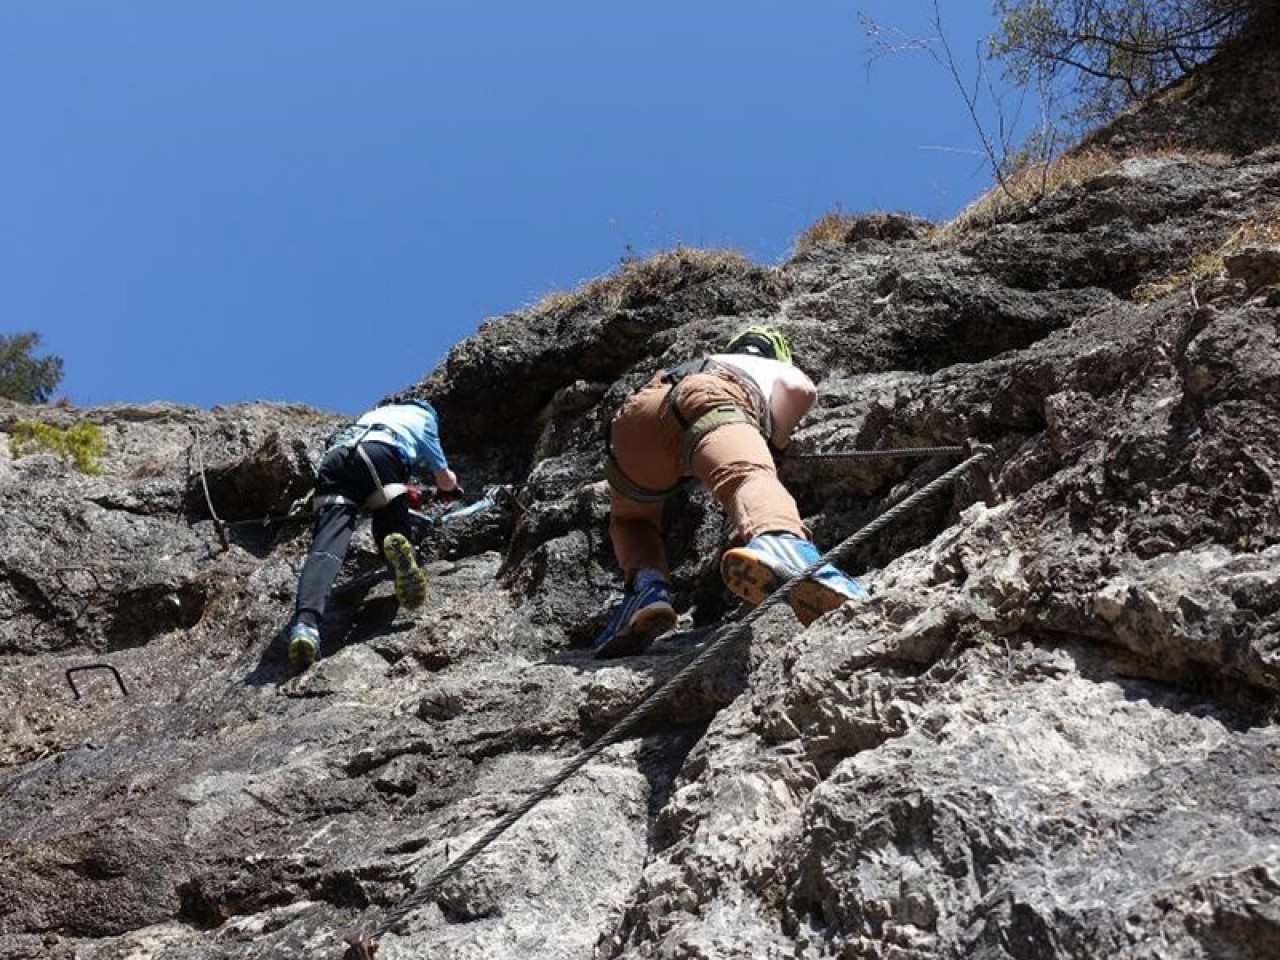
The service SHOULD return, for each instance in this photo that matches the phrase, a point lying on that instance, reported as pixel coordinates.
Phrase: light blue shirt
(412, 429)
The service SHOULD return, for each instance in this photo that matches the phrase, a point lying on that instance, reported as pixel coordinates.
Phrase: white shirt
(787, 391)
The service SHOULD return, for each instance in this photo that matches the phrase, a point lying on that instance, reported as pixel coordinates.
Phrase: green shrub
(80, 445)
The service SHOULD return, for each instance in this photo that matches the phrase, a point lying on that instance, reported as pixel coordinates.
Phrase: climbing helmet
(761, 342)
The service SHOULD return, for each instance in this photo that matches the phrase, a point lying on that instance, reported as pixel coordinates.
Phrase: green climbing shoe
(411, 582)
(304, 645)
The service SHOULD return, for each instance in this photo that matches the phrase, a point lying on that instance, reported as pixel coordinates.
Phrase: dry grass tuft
(833, 227)
(838, 227)
(1028, 184)
(1022, 188)
(642, 281)
(1208, 263)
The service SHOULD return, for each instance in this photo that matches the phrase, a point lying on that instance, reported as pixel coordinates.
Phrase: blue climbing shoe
(644, 614)
(304, 645)
(771, 559)
(411, 582)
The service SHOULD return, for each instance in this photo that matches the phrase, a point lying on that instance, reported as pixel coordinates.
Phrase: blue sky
(210, 201)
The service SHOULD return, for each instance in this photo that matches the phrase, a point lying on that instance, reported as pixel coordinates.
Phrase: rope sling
(363, 941)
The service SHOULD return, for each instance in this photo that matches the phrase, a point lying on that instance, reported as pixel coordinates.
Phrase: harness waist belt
(629, 488)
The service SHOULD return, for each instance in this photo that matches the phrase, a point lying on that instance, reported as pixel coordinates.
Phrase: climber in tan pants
(719, 419)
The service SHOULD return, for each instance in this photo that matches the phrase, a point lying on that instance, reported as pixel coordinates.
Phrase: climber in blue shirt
(368, 465)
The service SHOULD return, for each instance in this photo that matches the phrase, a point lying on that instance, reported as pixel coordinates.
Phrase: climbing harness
(363, 943)
(691, 431)
(353, 438)
(383, 493)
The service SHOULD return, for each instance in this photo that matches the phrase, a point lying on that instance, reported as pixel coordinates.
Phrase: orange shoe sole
(746, 577)
(751, 580)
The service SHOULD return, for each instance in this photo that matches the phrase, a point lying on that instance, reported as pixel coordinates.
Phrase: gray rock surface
(1050, 733)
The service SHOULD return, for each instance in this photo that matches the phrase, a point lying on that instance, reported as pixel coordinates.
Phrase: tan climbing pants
(732, 461)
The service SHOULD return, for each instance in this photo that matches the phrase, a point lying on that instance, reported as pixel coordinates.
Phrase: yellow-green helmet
(761, 342)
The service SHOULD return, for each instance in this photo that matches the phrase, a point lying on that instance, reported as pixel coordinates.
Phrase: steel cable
(219, 527)
(879, 454)
(722, 637)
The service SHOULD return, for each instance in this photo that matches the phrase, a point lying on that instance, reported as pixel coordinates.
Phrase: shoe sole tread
(302, 652)
(752, 580)
(410, 581)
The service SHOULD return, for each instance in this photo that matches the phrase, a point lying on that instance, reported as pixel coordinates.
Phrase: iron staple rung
(95, 666)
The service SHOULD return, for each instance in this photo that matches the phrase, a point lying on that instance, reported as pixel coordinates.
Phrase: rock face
(1050, 733)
